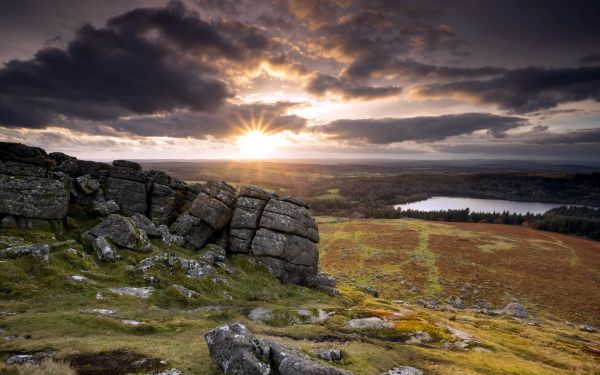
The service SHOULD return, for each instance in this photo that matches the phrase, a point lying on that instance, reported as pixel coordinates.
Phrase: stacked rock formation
(36, 189)
(32, 194)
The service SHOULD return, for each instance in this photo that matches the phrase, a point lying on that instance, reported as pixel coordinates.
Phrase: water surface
(478, 205)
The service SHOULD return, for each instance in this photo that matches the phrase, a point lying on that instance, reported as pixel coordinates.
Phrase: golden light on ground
(257, 140)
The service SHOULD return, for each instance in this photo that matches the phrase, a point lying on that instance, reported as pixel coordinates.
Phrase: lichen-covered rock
(34, 196)
(246, 217)
(122, 232)
(285, 240)
(193, 268)
(167, 238)
(287, 217)
(105, 208)
(162, 203)
(40, 251)
(143, 223)
(211, 211)
(289, 257)
(330, 355)
(287, 361)
(142, 293)
(324, 282)
(104, 249)
(237, 351)
(87, 184)
(129, 195)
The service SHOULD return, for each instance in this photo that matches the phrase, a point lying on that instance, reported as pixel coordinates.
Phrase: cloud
(419, 129)
(523, 90)
(322, 84)
(516, 150)
(590, 59)
(145, 61)
(411, 69)
(571, 137)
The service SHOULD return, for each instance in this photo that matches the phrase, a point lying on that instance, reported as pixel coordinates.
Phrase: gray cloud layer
(524, 90)
(420, 129)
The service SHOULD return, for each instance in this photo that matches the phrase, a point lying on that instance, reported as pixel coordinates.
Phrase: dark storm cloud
(419, 129)
(411, 69)
(524, 90)
(570, 137)
(146, 61)
(322, 84)
(590, 59)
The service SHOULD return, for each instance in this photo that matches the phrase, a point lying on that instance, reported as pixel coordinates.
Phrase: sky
(282, 79)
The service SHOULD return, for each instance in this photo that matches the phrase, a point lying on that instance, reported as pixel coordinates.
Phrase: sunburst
(257, 139)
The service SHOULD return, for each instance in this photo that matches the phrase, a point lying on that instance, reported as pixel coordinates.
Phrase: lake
(478, 205)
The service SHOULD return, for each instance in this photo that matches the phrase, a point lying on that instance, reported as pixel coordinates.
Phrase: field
(556, 277)
(553, 274)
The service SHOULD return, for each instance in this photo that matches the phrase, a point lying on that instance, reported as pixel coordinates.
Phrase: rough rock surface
(246, 217)
(122, 232)
(331, 355)
(104, 249)
(286, 240)
(211, 211)
(28, 186)
(236, 350)
(193, 268)
(39, 251)
(142, 293)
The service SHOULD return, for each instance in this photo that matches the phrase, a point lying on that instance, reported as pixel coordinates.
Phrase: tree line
(579, 221)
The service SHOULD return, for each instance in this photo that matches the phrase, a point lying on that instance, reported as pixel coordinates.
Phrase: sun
(257, 140)
(256, 144)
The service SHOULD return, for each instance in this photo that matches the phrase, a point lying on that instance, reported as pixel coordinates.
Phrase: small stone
(331, 355)
(131, 322)
(369, 323)
(142, 293)
(78, 278)
(104, 249)
(515, 309)
(186, 292)
(370, 290)
(261, 315)
(403, 370)
(99, 296)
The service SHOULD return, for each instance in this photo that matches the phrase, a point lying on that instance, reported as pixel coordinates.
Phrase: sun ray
(257, 138)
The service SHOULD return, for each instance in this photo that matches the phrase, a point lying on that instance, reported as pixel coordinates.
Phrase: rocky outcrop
(36, 190)
(31, 192)
(286, 241)
(236, 350)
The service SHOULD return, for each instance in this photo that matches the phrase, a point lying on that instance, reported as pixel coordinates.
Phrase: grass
(403, 259)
